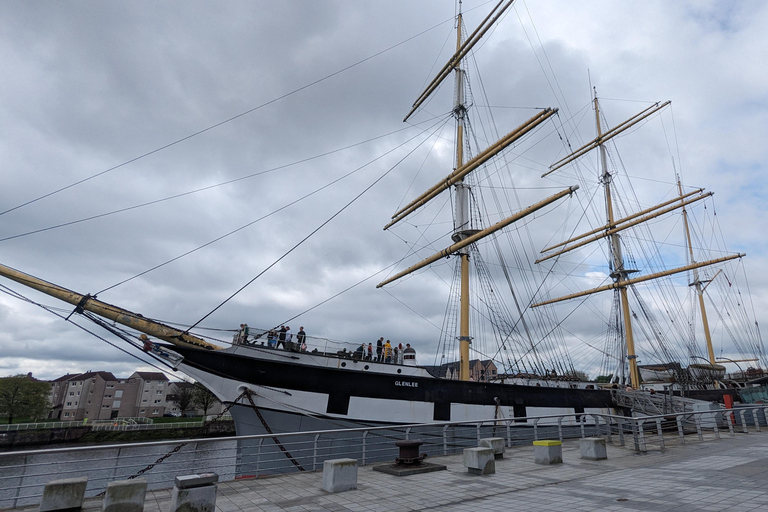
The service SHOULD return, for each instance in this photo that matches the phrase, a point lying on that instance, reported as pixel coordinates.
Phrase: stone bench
(194, 493)
(339, 475)
(547, 452)
(479, 461)
(593, 448)
(65, 494)
(125, 496)
(494, 443)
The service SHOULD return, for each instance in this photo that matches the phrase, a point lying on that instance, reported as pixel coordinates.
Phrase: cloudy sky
(169, 125)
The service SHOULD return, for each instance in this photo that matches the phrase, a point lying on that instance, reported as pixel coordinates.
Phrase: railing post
(744, 428)
(639, 436)
(258, 456)
(408, 433)
(729, 418)
(608, 429)
(697, 420)
(661, 435)
(757, 420)
(365, 433)
(582, 420)
(622, 441)
(716, 429)
(445, 439)
(509, 433)
(536, 429)
(314, 452)
(479, 435)
(560, 428)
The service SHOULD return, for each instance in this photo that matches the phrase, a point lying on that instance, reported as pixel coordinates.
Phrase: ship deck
(730, 473)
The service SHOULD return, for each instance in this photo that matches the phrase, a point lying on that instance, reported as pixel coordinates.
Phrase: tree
(203, 398)
(184, 396)
(23, 396)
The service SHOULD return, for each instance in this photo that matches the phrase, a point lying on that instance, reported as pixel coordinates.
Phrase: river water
(22, 477)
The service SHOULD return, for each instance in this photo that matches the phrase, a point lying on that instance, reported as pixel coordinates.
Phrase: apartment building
(101, 395)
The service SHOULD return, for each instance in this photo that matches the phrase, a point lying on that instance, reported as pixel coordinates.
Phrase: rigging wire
(269, 214)
(230, 119)
(206, 188)
(308, 236)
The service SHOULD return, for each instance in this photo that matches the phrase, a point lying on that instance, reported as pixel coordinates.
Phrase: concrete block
(125, 496)
(195, 499)
(479, 461)
(339, 475)
(593, 448)
(194, 493)
(547, 452)
(65, 494)
(494, 443)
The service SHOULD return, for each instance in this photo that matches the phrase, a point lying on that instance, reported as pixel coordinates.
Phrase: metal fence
(80, 423)
(23, 474)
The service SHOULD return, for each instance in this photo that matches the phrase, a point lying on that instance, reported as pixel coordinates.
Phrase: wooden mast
(461, 229)
(696, 281)
(114, 313)
(619, 273)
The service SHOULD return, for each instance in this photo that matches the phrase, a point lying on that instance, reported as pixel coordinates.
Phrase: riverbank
(86, 434)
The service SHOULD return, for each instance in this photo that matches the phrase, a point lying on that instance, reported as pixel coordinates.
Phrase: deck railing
(23, 474)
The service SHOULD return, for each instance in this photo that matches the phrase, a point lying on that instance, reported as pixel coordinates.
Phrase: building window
(158, 401)
(71, 393)
(118, 393)
(107, 396)
(155, 411)
(143, 411)
(144, 401)
(116, 404)
(159, 391)
(146, 391)
(105, 406)
(66, 415)
(69, 404)
(110, 385)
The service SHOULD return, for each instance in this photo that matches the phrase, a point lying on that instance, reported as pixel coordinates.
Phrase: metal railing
(74, 423)
(23, 474)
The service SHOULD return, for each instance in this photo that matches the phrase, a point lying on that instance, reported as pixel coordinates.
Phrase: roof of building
(103, 375)
(150, 375)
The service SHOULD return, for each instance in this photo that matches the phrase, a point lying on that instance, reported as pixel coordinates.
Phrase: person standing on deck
(281, 337)
(301, 337)
(379, 346)
(387, 352)
(370, 352)
(288, 335)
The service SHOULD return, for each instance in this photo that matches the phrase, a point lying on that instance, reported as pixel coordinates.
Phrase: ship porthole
(399, 370)
(343, 364)
(366, 367)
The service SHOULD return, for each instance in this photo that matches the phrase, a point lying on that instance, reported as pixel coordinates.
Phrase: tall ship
(506, 348)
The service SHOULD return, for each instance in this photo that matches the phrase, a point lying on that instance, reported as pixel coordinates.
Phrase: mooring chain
(269, 431)
(182, 445)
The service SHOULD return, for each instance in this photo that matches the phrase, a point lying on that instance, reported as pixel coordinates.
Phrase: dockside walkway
(730, 473)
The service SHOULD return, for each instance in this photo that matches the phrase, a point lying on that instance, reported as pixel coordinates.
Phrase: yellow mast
(697, 282)
(114, 313)
(619, 272)
(462, 216)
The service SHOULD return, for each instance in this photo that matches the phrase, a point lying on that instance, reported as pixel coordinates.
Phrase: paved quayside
(726, 474)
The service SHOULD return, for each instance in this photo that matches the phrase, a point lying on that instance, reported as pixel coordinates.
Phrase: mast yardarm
(114, 313)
